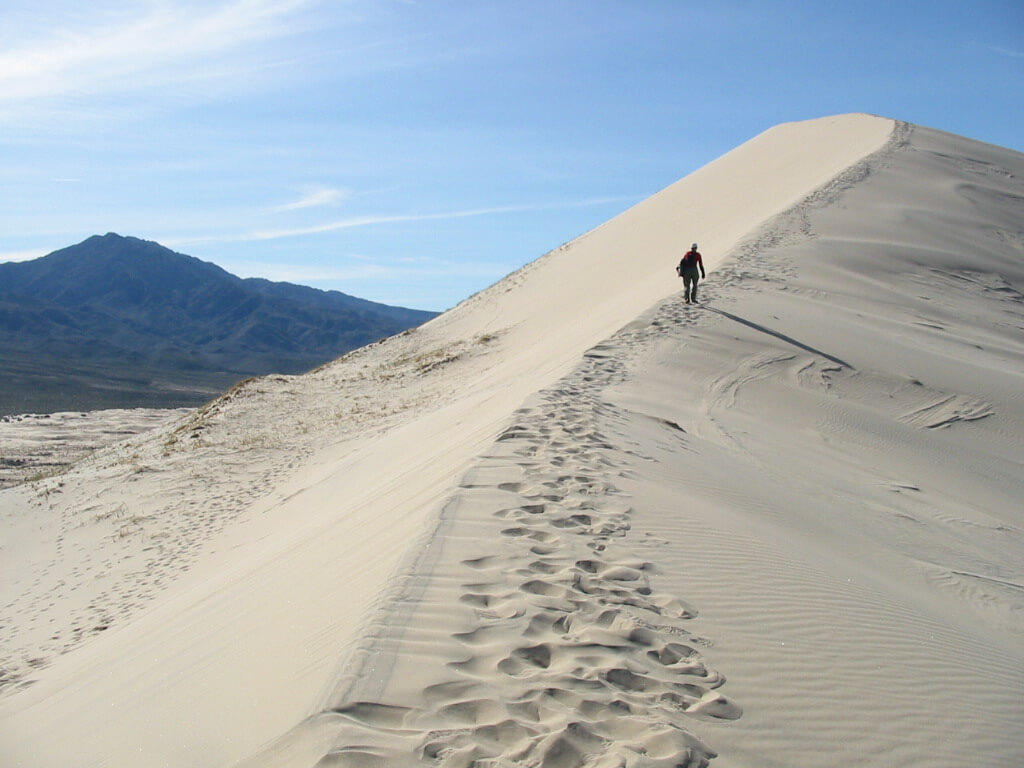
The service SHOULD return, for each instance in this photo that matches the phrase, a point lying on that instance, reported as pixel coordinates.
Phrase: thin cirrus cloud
(358, 269)
(315, 198)
(371, 220)
(159, 43)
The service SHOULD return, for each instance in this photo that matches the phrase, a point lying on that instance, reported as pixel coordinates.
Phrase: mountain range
(122, 322)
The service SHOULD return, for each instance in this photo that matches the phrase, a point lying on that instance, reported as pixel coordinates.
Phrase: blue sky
(415, 152)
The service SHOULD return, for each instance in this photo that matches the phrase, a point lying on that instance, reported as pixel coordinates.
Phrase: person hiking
(688, 270)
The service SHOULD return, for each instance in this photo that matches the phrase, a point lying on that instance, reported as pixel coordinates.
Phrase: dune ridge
(547, 526)
(553, 644)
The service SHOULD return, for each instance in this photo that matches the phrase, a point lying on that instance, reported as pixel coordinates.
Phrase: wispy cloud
(364, 269)
(315, 198)
(129, 45)
(352, 222)
(371, 220)
(1008, 52)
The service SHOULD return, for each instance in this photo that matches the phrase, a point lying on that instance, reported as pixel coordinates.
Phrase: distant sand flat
(35, 445)
(576, 522)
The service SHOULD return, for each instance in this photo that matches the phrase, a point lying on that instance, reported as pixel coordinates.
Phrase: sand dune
(576, 522)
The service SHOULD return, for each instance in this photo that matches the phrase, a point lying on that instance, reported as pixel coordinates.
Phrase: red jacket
(693, 263)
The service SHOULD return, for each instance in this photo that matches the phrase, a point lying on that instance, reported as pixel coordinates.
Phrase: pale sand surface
(783, 526)
(34, 445)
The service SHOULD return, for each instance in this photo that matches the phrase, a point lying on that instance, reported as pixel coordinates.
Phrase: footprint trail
(537, 637)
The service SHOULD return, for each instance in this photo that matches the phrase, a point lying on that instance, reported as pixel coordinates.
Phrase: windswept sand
(576, 522)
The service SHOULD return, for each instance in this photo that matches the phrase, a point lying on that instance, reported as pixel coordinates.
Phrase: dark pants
(690, 278)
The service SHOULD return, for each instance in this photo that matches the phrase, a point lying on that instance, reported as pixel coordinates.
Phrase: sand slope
(839, 504)
(481, 541)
